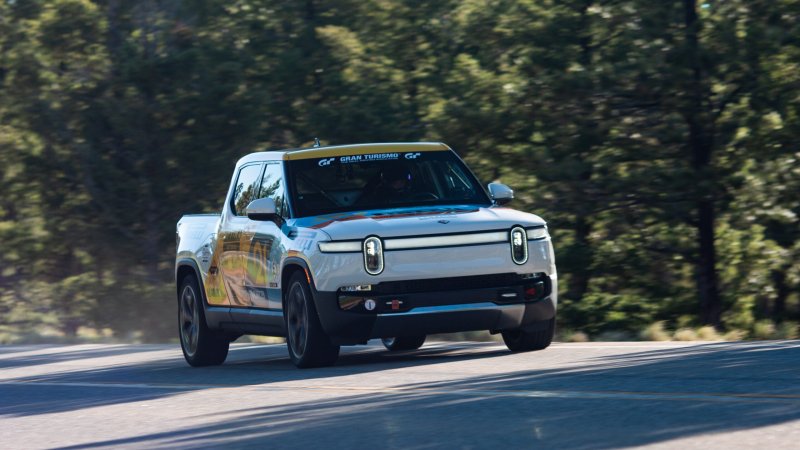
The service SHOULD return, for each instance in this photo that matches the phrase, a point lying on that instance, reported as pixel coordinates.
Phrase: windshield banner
(367, 158)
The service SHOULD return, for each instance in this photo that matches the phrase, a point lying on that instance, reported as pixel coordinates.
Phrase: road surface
(447, 395)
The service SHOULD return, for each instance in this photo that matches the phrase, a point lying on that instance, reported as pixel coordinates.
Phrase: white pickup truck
(331, 246)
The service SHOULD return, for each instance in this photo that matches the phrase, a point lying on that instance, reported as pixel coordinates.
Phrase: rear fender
(214, 315)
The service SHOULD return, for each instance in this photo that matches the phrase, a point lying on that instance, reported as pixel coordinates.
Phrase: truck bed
(194, 234)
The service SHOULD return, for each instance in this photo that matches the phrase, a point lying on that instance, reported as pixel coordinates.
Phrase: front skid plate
(347, 327)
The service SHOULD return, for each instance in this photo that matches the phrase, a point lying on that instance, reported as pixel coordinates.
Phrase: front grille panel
(402, 296)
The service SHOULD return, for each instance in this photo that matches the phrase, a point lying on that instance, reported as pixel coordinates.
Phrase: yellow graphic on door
(238, 266)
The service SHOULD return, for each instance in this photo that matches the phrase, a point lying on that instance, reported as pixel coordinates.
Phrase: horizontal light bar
(340, 247)
(431, 241)
(446, 241)
(537, 233)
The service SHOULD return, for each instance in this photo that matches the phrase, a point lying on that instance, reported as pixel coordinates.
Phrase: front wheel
(308, 344)
(397, 344)
(525, 341)
(201, 346)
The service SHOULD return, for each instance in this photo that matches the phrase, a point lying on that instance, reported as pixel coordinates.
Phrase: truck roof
(344, 150)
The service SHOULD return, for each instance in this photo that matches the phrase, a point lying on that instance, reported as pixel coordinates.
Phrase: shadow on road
(54, 354)
(737, 386)
(246, 365)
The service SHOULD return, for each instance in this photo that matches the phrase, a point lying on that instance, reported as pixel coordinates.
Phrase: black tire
(201, 345)
(525, 341)
(232, 337)
(307, 342)
(397, 344)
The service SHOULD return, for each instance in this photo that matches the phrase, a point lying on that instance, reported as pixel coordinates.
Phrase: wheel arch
(185, 267)
(291, 266)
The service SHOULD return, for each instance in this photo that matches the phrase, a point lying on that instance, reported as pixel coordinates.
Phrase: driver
(395, 182)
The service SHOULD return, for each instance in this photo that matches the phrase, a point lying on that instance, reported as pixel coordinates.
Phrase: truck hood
(418, 221)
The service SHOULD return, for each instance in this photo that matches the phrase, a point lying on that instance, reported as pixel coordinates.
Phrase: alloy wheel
(189, 320)
(297, 320)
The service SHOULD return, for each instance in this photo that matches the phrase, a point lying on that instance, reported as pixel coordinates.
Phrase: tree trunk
(782, 293)
(707, 283)
(589, 137)
(582, 273)
(700, 146)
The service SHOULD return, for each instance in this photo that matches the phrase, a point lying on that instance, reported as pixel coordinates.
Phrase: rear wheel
(397, 344)
(524, 341)
(201, 346)
(308, 344)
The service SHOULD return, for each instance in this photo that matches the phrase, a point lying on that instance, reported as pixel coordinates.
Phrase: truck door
(235, 234)
(266, 245)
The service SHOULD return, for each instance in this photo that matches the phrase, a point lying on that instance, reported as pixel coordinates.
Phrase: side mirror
(261, 209)
(501, 194)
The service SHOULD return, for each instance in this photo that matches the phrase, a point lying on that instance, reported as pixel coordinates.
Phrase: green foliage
(600, 312)
(634, 127)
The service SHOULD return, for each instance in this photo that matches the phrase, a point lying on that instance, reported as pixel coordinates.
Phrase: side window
(272, 186)
(246, 188)
(456, 183)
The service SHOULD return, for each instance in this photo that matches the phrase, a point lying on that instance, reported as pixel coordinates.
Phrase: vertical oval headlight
(519, 245)
(373, 255)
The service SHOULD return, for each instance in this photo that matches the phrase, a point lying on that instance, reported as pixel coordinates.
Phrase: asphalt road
(447, 395)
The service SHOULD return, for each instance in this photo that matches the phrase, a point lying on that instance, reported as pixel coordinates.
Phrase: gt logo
(325, 161)
(412, 155)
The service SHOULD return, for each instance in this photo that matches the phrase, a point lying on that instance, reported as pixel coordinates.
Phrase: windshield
(385, 180)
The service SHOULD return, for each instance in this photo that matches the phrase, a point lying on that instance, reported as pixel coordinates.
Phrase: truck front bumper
(412, 308)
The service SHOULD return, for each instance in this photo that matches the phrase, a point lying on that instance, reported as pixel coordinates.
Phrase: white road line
(400, 390)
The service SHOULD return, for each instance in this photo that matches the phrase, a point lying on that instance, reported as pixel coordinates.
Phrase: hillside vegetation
(658, 138)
